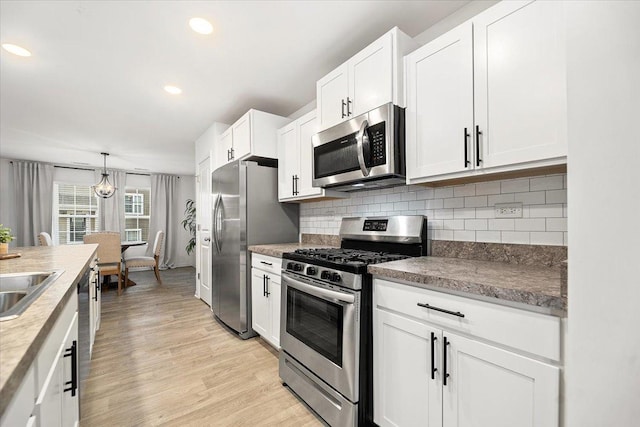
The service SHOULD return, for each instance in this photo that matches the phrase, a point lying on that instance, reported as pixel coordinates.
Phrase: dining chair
(146, 261)
(45, 239)
(109, 255)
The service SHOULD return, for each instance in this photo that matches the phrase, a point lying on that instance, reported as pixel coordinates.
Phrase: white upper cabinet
(439, 114)
(252, 135)
(371, 78)
(295, 161)
(490, 95)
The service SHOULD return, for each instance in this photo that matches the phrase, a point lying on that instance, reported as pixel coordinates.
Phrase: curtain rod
(91, 170)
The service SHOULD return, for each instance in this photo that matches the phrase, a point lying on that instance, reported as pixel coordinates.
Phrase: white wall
(186, 190)
(603, 346)
(463, 212)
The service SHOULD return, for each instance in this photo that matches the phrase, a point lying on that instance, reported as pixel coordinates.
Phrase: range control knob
(335, 277)
(325, 275)
(289, 266)
(297, 267)
(311, 271)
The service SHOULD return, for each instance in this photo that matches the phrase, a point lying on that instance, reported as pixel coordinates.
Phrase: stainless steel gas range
(326, 324)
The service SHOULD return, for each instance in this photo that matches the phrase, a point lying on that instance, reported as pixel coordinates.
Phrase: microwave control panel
(378, 152)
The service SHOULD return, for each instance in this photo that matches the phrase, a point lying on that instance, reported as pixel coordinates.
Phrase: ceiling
(95, 80)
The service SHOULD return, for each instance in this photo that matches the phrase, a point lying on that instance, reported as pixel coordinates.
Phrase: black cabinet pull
(73, 353)
(445, 375)
(268, 293)
(265, 263)
(442, 310)
(433, 362)
(478, 133)
(264, 285)
(233, 155)
(95, 284)
(343, 105)
(293, 185)
(348, 106)
(466, 148)
(228, 155)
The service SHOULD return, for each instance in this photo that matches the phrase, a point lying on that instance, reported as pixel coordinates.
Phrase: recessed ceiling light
(201, 26)
(16, 50)
(173, 90)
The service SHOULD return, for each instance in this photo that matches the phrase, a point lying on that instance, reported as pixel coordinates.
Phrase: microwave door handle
(323, 293)
(361, 139)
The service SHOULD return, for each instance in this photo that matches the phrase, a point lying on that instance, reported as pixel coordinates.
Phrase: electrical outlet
(509, 210)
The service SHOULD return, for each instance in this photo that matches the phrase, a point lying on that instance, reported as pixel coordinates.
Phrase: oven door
(320, 328)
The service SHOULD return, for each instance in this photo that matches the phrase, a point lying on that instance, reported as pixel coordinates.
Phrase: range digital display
(375, 225)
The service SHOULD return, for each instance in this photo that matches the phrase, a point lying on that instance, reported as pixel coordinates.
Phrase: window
(136, 214)
(75, 212)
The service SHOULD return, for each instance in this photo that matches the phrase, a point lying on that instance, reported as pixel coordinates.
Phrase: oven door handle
(323, 293)
(361, 139)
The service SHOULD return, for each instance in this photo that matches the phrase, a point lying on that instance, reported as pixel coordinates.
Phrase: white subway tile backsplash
(554, 182)
(409, 196)
(417, 205)
(454, 224)
(514, 186)
(435, 204)
(501, 224)
(475, 224)
(516, 237)
(557, 196)
(444, 192)
(444, 214)
(464, 235)
(456, 202)
(475, 202)
(545, 211)
(556, 224)
(484, 188)
(530, 224)
(464, 190)
(489, 236)
(546, 238)
(425, 194)
(500, 198)
(400, 206)
(489, 212)
(462, 212)
(531, 198)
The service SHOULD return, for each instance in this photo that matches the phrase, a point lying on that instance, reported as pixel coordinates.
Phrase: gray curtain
(112, 209)
(33, 193)
(165, 216)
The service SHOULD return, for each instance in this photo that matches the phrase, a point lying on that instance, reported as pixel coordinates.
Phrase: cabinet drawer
(266, 263)
(511, 327)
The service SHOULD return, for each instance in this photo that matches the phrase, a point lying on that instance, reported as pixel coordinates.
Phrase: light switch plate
(509, 210)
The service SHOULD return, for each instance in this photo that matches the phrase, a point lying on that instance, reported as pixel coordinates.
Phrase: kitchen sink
(19, 290)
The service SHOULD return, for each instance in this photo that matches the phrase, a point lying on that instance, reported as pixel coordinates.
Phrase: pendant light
(104, 188)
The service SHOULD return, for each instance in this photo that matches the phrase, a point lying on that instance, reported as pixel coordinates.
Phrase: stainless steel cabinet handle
(348, 107)
(343, 105)
(442, 310)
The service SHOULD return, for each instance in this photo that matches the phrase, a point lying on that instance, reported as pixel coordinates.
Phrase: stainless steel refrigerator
(246, 212)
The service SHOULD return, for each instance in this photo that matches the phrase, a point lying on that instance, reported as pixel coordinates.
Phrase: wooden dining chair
(109, 255)
(147, 261)
(44, 239)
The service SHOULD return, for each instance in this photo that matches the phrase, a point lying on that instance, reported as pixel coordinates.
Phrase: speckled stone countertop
(22, 338)
(532, 285)
(276, 250)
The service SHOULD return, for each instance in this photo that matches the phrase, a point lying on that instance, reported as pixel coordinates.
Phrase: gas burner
(353, 257)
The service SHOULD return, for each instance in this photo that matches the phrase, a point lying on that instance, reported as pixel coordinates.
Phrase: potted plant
(189, 224)
(5, 238)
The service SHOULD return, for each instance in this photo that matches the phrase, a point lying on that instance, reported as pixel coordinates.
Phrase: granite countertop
(277, 249)
(532, 285)
(22, 338)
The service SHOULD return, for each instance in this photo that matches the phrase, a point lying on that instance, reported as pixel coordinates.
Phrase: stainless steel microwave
(366, 151)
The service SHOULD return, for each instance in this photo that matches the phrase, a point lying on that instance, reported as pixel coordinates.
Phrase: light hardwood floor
(161, 359)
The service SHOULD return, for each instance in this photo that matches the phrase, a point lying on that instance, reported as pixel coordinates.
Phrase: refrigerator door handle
(216, 223)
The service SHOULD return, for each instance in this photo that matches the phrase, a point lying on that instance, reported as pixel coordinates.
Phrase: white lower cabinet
(48, 395)
(431, 373)
(265, 297)
(95, 303)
